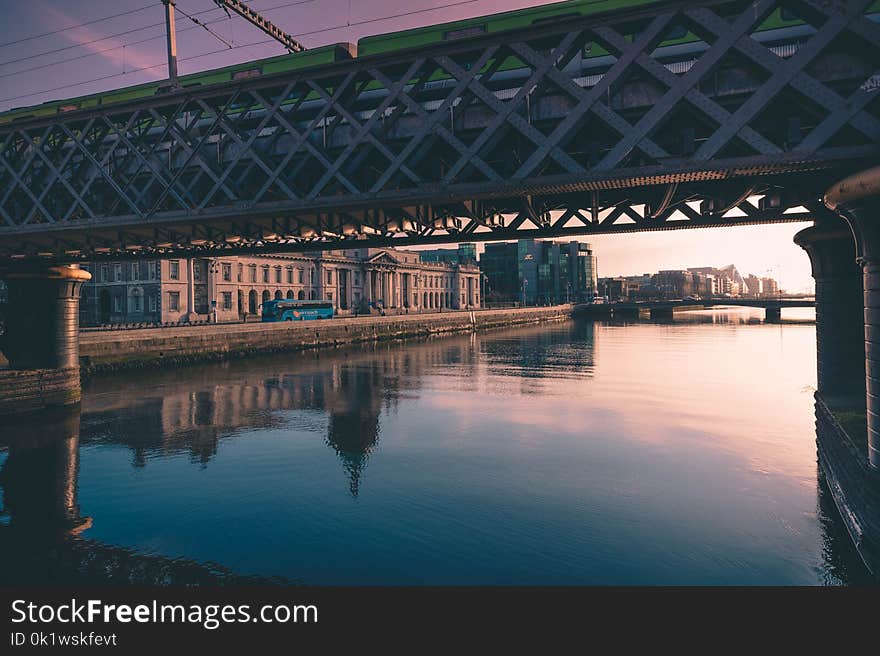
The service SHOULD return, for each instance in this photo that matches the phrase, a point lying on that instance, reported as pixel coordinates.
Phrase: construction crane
(266, 25)
(239, 8)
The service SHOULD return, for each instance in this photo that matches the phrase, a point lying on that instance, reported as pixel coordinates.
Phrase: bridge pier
(41, 341)
(772, 315)
(840, 333)
(662, 313)
(857, 200)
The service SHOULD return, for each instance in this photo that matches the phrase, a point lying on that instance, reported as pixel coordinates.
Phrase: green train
(678, 44)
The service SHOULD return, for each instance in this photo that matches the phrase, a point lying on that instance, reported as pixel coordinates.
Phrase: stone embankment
(102, 351)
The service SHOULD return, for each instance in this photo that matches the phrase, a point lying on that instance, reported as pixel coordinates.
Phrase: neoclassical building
(229, 288)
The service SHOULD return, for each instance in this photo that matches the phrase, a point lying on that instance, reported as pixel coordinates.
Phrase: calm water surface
(577, 453)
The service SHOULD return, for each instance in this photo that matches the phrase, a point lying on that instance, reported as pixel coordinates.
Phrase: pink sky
(756, 249)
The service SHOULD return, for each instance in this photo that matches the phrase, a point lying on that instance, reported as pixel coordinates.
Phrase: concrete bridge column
(857, 199)
(41, 341)
(772, 314)
(840, 330)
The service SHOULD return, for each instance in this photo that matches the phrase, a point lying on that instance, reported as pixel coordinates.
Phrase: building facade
(466, 252)
(540, 272)
(232, 288)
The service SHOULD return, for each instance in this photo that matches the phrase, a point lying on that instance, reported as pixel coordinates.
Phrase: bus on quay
(291, 310)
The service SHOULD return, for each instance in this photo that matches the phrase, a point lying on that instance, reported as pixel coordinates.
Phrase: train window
(677, 32)
(243, 75)
(464, 32)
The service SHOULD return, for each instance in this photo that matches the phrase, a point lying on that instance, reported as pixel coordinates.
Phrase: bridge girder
(502, 136)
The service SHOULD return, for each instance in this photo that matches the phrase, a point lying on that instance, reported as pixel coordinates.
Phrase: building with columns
(179, 290)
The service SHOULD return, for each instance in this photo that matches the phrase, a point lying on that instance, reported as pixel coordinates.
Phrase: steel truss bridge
(504, 136)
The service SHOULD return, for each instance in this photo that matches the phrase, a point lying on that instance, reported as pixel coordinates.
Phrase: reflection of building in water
(351, 387)
(353, 430)
(190, 415)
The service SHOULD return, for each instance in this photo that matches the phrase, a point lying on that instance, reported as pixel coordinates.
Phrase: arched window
(301, 296)
(266, 295)
(290, 294)
(278, 294)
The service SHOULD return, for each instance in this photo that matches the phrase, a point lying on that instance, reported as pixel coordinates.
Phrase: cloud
(110, 50)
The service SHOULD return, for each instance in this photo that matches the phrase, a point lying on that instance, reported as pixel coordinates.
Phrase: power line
(125, 33)
(138, 42)
(73, 27)
(204, 25)
(244, 45)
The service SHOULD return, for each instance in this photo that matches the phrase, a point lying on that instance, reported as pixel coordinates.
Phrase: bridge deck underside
(577, 127)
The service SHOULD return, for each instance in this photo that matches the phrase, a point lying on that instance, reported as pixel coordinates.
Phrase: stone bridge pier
(41, 338)
(848, 309)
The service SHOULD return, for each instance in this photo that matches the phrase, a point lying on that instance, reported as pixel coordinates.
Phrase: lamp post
(524, 285)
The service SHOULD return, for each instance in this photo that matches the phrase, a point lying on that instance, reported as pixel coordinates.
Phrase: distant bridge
(772, 306)
(453, 142)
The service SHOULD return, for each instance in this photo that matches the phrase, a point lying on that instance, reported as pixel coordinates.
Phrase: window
(174, 301)
(677, 32)
(197, 271)
(299, 276)
(151, 303)
(117, 304)
(151, 270)
(227, 298)
(136, 301)
(105, 273)
(117, 272)
(330, 277)
(290, 275)
(278, 274)
(463, 33)
(174, 270)
(253, 272)
(136, 271)
(240, 271)
(265, 274)
(357, 279)
(227, 273)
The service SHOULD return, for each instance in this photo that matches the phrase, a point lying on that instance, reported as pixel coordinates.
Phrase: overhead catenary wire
(78, 25)
(243, 45)
(132, 31)
(205, 26)
(131, 44)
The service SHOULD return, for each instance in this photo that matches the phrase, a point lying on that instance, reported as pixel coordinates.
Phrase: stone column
(840, 329)
(368, 287)
(190, 290)
(857, 199)
(41, 341)
(42, 329)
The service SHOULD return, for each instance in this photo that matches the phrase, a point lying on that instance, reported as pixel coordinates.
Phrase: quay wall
(103, 351)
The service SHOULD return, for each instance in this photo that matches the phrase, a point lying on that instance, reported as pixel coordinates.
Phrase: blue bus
(290, 310)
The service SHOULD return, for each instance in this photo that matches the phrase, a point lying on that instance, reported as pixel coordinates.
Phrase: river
(678, 452)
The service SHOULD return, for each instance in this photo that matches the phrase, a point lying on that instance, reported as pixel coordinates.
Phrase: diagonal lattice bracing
(561, 128)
